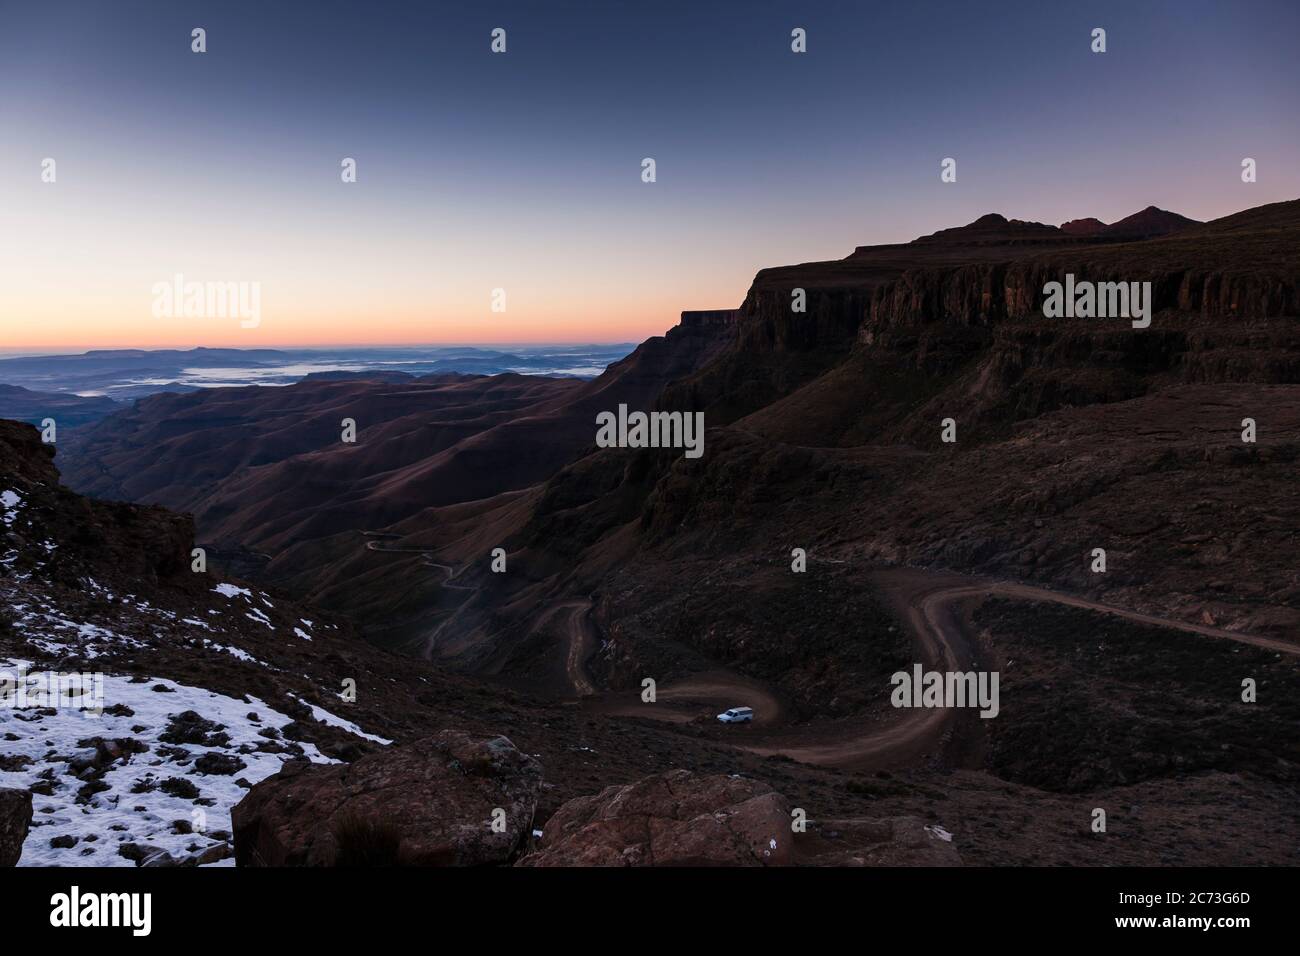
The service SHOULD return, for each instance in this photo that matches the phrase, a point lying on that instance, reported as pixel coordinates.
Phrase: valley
(494, 568)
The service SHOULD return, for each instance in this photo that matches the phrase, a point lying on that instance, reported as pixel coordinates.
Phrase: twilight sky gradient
(523, 170)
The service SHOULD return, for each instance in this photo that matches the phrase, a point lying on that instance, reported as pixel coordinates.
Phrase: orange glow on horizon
(520, 325)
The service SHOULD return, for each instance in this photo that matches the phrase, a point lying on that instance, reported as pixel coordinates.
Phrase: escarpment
(963, 309)
(986, 293)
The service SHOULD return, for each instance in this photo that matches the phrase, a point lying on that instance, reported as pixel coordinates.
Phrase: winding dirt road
(429, 642)
(581, 642)
(579, 633)
(449, 571)
(1028, 592)
(715, 691)
(933, 606)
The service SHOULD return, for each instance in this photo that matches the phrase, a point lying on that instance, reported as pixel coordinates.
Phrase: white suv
(737, 715)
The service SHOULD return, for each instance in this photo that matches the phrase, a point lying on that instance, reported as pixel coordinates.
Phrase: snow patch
(257, 615)
(10, 501)
(236, 652)
(325, 717)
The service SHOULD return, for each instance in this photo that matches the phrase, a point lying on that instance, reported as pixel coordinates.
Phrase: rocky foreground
(456, 800)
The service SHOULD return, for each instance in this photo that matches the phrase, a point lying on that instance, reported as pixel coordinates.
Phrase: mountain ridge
(892, 337)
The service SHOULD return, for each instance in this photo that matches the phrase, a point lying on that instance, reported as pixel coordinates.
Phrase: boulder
(429, 803)
(672, 819)
(15, 819)
(684, 819)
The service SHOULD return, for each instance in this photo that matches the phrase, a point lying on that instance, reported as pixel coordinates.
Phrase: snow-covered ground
(48, 628)
(135, 808)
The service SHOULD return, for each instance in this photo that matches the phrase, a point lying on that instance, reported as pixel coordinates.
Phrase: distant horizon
(39, 351)
(128, 374)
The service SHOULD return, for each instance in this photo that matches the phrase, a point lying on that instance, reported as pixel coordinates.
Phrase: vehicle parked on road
(737, 715)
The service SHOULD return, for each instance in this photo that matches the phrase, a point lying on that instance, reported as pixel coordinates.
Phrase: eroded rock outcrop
(674, 819)
(681, 818)
(429, 803)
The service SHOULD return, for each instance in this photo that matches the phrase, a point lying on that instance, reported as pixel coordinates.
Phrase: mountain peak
(1149, 223)
(993, 228)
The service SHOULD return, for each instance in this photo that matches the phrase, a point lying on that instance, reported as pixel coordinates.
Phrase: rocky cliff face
(148, 543)
(1236, 267)
(772, 351)
(983, 294)
(709, 318)
(963, 309)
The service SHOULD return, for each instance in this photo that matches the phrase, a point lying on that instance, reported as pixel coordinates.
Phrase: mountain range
(123, 375)
(825, 437)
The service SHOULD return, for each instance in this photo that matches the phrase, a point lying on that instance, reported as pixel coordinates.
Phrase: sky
(522, 170)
